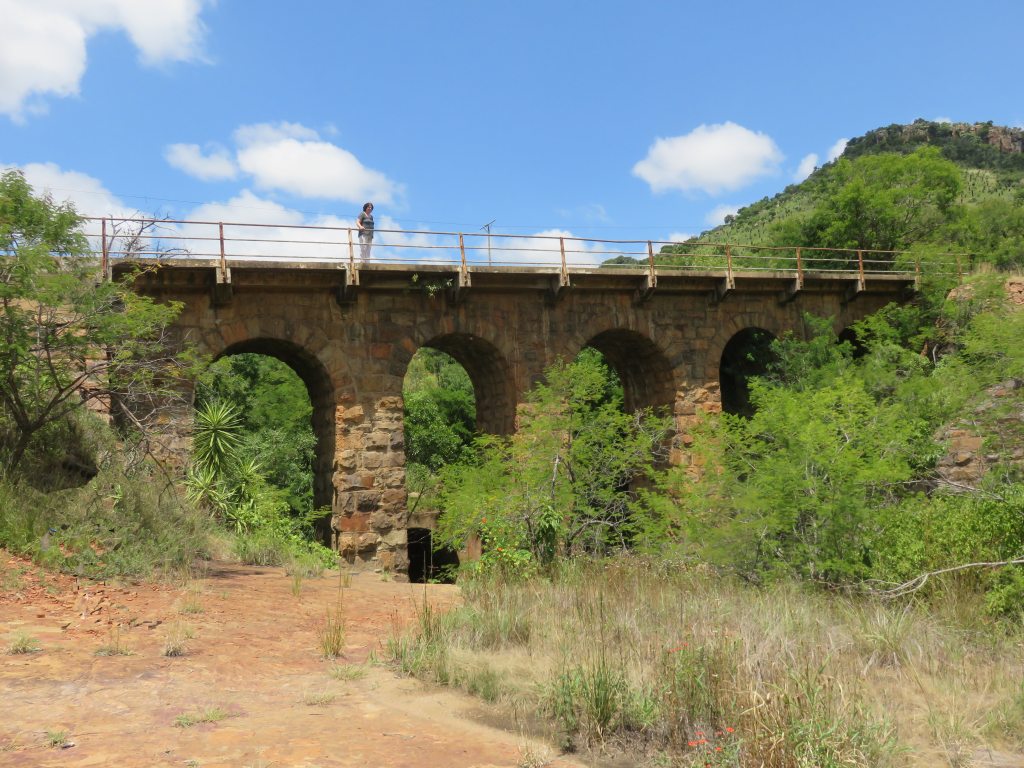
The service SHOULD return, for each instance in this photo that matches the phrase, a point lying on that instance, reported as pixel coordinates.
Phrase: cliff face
(992, 435)
(979, 145)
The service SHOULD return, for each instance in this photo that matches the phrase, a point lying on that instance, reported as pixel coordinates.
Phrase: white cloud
(292, 158)
(942, 120)
(806, 167)
(267, 133)
(717, 214)
(216, 165)
(837, 149)
(44, 48)
(679, 237)
(712, 158)
(544, 249)
(86, 193)
(273, 231)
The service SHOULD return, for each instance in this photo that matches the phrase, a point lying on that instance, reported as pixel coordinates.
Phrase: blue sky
(646, 120)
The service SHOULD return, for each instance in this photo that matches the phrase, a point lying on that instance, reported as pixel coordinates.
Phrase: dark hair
(367, 205)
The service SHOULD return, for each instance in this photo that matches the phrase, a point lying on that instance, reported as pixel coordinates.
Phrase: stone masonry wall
(353, 356)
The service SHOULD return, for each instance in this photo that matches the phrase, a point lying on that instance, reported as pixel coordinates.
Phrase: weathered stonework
(352, 349)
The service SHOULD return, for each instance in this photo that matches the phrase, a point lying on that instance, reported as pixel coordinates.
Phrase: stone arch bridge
(350, 330)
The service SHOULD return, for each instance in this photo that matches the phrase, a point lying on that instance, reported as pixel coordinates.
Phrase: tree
(562, 484)
(878, 202)
(67, 336)
(440, 413)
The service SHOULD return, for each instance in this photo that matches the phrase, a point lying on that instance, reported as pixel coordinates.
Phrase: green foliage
(440, 414)
(878, 202)
(274, 415)
(801, 478)
(891, 189)
(921, 534)
(824, 480)
(126, 522)
(66, 335)
(995, 229)
(561, 484)
(232, 488)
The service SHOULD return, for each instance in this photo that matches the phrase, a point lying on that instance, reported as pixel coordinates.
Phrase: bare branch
(916, 583)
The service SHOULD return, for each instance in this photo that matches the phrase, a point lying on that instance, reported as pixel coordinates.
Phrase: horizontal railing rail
(182, 241)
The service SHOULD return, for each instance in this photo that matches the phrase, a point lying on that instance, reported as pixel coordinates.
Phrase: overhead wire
(454, 224)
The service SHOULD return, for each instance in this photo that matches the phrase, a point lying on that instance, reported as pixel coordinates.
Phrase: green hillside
(954, 186)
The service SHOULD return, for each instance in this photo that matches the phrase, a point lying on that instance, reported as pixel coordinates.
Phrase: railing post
(223, 255)
(860, 268)
(652, 276)
(351, 274)
(799, 266)
(564, 277)
(463, 268)
(959, 270)
(728, 266)
(105, 259)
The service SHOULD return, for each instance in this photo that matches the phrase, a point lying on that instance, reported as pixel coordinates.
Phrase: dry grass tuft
(331, 631)
(23, 643)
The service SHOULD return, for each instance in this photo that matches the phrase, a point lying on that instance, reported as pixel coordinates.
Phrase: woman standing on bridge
(365, 224)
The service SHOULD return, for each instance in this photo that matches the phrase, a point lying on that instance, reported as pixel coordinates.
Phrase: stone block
(372, 460)
(355, 413)
(367, 501)
(348, 544)
(367, 541)
(355, 523)
(389, 404)
(393, 498)
(386, 560)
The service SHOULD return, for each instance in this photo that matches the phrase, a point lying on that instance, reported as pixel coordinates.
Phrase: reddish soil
(254, 655)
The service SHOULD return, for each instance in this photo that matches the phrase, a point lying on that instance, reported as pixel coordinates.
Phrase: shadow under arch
(321, 396)
(491, 376)
(644, 370)
(849, 336)
(746, 355)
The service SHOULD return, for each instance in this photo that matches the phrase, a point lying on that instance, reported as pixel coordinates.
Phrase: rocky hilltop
(981, 145)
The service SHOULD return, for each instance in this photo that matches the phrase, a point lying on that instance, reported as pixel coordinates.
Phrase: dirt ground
(251, 659)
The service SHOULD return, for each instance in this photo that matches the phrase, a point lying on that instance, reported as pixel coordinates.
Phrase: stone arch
(647, 375)
(493, 386)
(320, 387)
(747, 354)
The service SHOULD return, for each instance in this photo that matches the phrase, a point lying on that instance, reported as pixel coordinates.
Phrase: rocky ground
(250, 688)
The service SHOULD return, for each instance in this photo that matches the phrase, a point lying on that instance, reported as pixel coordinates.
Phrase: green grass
(114, 645)
(318, 698)
(208, 715)
(347, 671)
(23, 643)
(56, 739)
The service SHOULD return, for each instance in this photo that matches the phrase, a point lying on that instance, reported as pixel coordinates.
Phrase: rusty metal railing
(221, 243)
